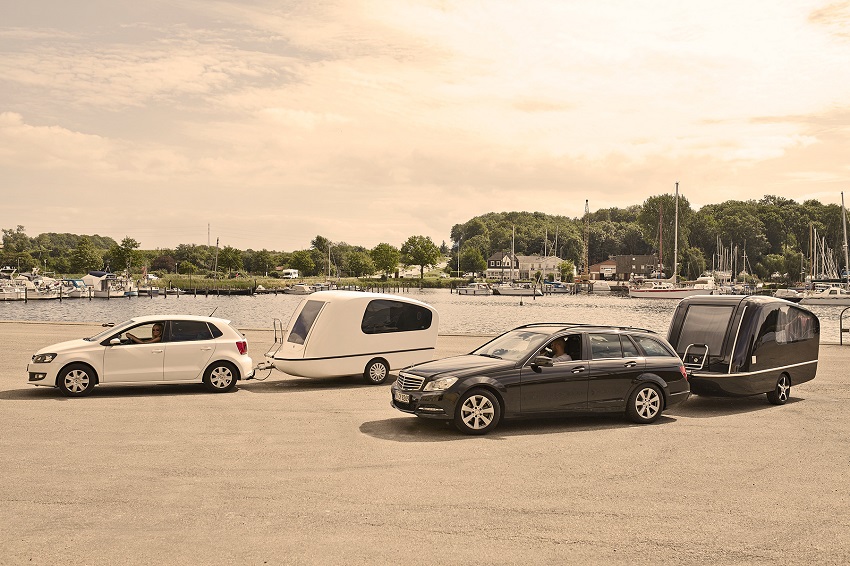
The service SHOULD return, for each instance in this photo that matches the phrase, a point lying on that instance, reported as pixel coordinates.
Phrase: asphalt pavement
(298, 471)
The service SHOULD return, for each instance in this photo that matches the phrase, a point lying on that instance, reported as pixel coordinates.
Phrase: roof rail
(585, 324)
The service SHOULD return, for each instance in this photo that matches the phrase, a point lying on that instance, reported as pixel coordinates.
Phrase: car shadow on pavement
(708, 407)
(413, 429)
(106, 392)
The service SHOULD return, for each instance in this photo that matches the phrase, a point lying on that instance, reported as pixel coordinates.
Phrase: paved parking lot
(297, 471)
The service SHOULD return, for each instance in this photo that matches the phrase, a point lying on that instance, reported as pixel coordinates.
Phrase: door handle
(156, 351)
(207, 349)
(630, 364)
(578, 369)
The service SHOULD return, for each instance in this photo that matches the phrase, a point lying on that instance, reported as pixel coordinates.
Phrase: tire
(782, 391)
(376, 372)
(645, 404)
(477, 412)
(220, 377)
(76, 380)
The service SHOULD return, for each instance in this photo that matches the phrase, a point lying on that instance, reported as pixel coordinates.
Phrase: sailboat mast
(844, 222)
(676, 238)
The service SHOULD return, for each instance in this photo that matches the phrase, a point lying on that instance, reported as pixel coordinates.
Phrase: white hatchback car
(147, 349)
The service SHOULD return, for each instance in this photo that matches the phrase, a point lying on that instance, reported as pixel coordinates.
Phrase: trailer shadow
(107, 392)
(290, 383)
(413, 429)
(701, 407)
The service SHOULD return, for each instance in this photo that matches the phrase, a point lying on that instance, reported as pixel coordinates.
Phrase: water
(459, 314)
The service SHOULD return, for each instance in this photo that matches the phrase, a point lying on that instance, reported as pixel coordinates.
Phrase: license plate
(401, 397)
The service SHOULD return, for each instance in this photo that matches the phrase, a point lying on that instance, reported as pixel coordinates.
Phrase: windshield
(514, 345)
(109, 331)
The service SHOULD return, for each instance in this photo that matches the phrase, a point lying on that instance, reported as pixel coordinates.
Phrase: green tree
(359, 264)
(567, 269)
(472, 260)
(85, 257)
(230, 258)
(263, 261)
(421, 251)
(16, 241)
(386, 258)
(164, 263)
(301, 260)
(124, 255)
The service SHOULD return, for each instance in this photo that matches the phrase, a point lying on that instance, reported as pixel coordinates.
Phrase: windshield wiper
(491, 356)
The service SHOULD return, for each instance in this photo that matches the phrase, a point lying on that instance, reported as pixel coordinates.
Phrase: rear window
(304, 322)
(653, 348)
(705, 324)
(189, 330)
(604, 346)
(383, 316)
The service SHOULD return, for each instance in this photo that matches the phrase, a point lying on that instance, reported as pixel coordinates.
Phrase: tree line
(765, 237)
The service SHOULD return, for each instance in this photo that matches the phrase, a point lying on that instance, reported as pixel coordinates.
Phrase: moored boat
(517, 289)
(475, 289)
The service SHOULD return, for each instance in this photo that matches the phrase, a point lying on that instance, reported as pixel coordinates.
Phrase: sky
(262, 124)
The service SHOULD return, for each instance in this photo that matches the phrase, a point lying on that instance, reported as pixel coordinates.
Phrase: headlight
(440, 384)
(43, 358)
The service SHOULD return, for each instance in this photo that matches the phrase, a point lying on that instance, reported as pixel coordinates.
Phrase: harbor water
(459, 314)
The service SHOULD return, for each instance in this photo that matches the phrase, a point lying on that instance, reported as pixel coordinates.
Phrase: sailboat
(669, 288)
(517, 288)
(835, 295)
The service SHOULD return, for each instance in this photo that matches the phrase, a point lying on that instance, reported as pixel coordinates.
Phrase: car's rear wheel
(376, 372)
(782, 391)
(645, 404)
(220, 377)
(478, 412)
(76, 380)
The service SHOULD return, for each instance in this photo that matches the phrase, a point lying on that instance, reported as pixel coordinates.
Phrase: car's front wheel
(220, 377)
(645, 404)
(376, 372)
(782, 391)
(478, 412)
(76, 380)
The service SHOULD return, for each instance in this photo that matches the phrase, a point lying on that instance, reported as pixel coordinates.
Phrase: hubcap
(782, 389)
(377, 372)
(221, 377)
(477, 412)
(76, 381)
(647, 403)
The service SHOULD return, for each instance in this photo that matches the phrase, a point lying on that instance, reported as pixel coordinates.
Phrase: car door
(189, 349)
(615, 365)
(558, 386)
(130, 362)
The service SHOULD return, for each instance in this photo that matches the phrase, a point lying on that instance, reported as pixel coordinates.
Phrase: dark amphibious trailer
(736, 345)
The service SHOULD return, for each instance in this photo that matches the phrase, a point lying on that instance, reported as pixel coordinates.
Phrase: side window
(305, 321)
(215, 331)
(383, 316)
(144, 334)
(767, 330)
(795, 325)
(652, 347)
(604, 346)
(629, 348)
(189, 330)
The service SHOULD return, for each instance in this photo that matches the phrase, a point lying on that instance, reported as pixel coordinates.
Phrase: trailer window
(705, 324)
(383, 316)
(304, 322)
(795, 325)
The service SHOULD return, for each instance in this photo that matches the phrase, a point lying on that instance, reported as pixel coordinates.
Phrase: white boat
(836, 296)
(599, 286)
(792, 295)
(9, 291)
(664, 289)
(475, 289)
(299, 289)
(74, 289)
(518, 290)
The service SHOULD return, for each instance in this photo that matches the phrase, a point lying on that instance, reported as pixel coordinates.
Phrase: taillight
(242, 345)
(683, 371)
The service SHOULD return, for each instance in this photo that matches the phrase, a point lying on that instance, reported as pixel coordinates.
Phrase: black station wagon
(518, 373)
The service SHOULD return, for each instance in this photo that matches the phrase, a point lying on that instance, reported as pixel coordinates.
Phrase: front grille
(407, 382)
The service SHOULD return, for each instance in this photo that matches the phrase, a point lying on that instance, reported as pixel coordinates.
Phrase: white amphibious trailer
(336, 333)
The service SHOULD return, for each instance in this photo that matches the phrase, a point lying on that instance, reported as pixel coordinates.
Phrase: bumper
(428, 404)
(42, 374)
(246, 367)
(731, 385)
(676, 398)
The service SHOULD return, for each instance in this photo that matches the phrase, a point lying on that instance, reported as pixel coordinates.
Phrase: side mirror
(540, 361)
(115, 342)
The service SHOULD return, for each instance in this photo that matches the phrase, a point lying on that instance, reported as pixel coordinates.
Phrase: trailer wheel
(782, 391)
(376, 372)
